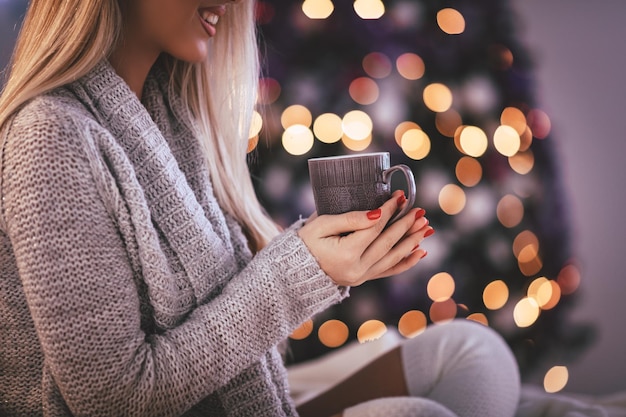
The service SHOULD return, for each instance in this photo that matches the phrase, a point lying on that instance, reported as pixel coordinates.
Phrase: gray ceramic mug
(356, 182)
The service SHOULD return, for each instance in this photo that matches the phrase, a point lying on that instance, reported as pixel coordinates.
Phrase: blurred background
(578, 47)
(508, 114)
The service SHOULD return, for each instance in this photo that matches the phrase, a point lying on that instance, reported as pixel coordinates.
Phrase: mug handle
(410, 180)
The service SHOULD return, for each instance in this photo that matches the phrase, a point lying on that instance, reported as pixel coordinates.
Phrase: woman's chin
(194, 55)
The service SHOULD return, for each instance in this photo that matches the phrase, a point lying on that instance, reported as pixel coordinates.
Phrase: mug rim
(357, 155)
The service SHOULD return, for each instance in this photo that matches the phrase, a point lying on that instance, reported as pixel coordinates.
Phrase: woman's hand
(355, 247)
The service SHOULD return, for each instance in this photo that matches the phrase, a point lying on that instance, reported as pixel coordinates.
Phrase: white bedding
(310, 378)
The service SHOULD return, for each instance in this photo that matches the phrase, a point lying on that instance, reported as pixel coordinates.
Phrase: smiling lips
(209, 18)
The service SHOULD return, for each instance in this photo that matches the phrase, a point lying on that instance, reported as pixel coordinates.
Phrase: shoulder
(51, 124)
(49, 114)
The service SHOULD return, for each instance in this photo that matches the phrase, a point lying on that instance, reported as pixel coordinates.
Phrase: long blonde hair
(62, 40)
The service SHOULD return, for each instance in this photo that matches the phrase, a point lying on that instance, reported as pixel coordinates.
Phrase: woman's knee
(462, 338)
(399, 407)
(461, 349)
(465, 366)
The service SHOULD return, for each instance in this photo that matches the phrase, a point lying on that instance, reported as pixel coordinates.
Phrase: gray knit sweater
(124, 288)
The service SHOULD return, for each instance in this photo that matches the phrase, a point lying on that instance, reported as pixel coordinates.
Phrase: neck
(133, 65)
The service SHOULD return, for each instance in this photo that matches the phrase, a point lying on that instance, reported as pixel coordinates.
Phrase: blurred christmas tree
(447, 88)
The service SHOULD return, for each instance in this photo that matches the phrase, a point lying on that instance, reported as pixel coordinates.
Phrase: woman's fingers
(387, 240)
(405, 264)
(355, 247)
(394, 249)
(356, 221)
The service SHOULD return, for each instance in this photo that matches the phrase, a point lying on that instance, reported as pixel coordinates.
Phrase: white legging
(459, 369)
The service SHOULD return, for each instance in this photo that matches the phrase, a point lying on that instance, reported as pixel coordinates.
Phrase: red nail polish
(401, 200)
(374, 214)
(416, 248)
(429, 232)
(420, 213)
(424, 255)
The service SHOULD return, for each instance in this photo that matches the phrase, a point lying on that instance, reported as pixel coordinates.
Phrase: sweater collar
(197, 232)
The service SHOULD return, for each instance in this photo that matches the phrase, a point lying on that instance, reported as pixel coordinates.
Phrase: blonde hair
(220, 97)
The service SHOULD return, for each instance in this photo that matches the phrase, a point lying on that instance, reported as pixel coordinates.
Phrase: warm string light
(451, 21)
(555, 379)
(369, 9)
(511, 136)
(322, 9)
(318, 9)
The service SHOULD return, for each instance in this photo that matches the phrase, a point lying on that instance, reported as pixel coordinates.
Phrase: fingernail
(401, 199)
(424, 255)
(374, 214)
(429, 232)
(420, 213)
(415, 248)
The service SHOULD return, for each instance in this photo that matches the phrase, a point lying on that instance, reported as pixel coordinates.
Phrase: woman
(139, 275)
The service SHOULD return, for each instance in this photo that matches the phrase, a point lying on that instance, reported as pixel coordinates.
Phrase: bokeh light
(256, 124)
(443, 311)
(318, 9)
(548, 295)
(533, 288)
(415, 144)
(473, 141)
(296, 115)
(495, 295)
(410, 66)
(327, 128)
(451, 21)
(501, 56)
(371, 330)
(369, 9)
(333, 333)
(452, 199)
(412, 323)
(356, 145)
(440, 286)
(524, 239)
(402, 128)
(522, 162)
(357, 125)
(510, 211)
(468, 171)
(506, 140)
(526, 312)
(479, 318)
(252, 143)
(447, 122)
(513, 117)
(303, 331)
(540, 123)
(569, 279)
(526, 139)
(269, 90)
(298, 139)
(377, 65)
(364, 90)
(529, 261)
(437, 97)
(555, 379)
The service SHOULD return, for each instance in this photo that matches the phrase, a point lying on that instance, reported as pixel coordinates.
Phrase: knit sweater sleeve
(82, 295)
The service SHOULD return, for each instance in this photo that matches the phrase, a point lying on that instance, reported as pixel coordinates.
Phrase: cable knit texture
(124, 288)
